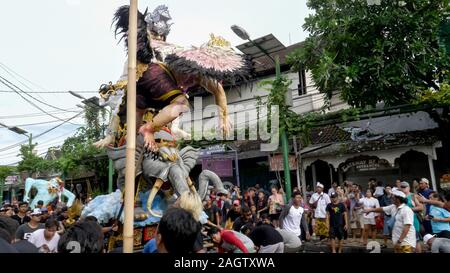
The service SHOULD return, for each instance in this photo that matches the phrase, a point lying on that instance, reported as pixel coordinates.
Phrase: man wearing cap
(437, 245)
(403, 232)
(417, 208)
(24, 231)
(319, 202)
(425, 191)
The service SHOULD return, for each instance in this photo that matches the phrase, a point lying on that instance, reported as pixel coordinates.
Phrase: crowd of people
(409, 218)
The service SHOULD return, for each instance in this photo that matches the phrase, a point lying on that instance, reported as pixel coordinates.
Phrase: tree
(389, 51)
(5, 171)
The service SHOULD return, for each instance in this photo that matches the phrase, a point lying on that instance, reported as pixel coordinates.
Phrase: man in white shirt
(293, 217)
(319, 202)
(46, 240)
(403, 233)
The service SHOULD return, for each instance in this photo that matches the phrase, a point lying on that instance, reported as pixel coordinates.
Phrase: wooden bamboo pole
(131, 131)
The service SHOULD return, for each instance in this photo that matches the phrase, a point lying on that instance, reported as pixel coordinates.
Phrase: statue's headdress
(158, 22)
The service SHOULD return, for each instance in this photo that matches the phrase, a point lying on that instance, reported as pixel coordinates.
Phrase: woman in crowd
(369, 218)
(276, 203)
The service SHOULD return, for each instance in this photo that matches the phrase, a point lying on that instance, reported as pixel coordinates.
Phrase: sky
(61, 45)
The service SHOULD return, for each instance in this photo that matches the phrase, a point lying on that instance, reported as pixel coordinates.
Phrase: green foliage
(6, 171)
(77, 152)
(433, 97)
(370, 53)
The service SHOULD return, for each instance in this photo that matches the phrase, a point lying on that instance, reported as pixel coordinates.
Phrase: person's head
(36, 215)
(253, 209)
(236, 205)
(334, 185)
(246, 229)
(246, 213)
(297, 198)
(379, 184)
(51, 227)
(436, 197)
(424, 184)
(208, 203)
(191, 202)
(334, 198)
(23, 207)
(399, 197)
(257, 186)
(447, 201)
(308, 187)
(372, 180)
(428, 239)
(274, 190)
(404, 187)
(7, 210)
(177, 232)
(261, 195)
(397, 183)
(87, 233)
(265, 219)
(387, 190)
(215, 235)
(4, 234)
(319, 187)
(369, 193)
(40, 204)
(251, 191)
(91, 218)
(10, 226)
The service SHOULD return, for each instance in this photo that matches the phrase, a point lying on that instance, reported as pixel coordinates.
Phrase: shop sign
(222, 167)
(276, 163)
(366, 165)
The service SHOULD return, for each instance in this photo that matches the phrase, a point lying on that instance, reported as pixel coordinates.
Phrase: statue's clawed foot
(149, 139)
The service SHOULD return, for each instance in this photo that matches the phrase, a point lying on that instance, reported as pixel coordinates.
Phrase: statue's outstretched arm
(28, 185)
(216, 88)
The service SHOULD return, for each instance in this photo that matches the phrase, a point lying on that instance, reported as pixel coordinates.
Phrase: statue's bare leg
(166, 115)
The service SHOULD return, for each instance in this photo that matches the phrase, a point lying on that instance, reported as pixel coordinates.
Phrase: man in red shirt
(231, 241)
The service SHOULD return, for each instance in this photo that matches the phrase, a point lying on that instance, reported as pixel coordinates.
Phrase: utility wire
(39, 135)
(39, 114)
(30, 102)
(52, 92)
(18, 88)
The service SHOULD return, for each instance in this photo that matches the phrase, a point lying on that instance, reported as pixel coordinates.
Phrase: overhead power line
(39, 135)
(52, 92)
(5, 82)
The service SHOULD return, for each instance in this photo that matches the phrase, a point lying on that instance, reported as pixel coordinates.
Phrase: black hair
(245, 210)
(23, 203)
(246, 228)
(87, 233)
(91, 218)
(372, 179)
(447, 196)
(4, 234)
(379, 183)
(9, 224)
(212, 231)
(40, 202)
(440, 197)
(178, 230)
(401, 199)
(264, 216)
(295, 193)
(51, 222)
